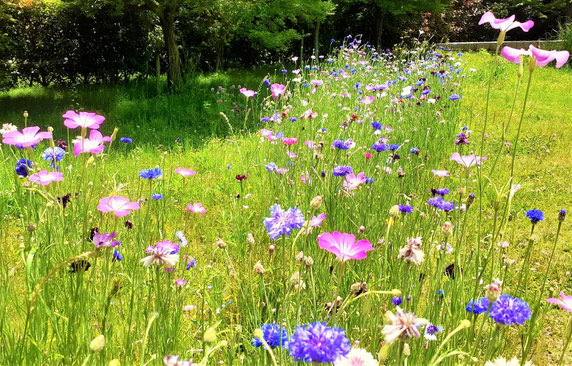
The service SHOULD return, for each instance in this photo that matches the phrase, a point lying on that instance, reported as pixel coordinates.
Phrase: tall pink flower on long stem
(247, 92)
(196, 208)
(93, 144)
(83, 120)
(43, 177)
(120, 206)
(344, 246)
(565, 301)
(542, 57)
(185, 172)
(467, 160)
(28, 137)
(277, 90)
(506, 24)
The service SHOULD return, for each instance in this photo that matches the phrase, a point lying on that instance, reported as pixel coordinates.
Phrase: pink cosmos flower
(543, 57)
(504, 25)
(105, 240)
(309, 114)
(353, 181)
(277, 90)
(180, 282)
(440, 173)
(317, 82)
(248, 93)
(43, 177)
(344, 246)
(93, 144)
(185, 172)
(120, 206)
(317, 220)
(367, 100)
(467, 160)
(28, 137)
(196, 208)
(290, 140)
(83, 120)
(565, 301)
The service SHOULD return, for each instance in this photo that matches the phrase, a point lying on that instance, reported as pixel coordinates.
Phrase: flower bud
(465, 323)
(25, 114)
(447, 229)
(299, 257)
(316, 203)
(97, 343)
(361, 229)
(532, 64)
(520, 68)
(210, 336)
(470, 200)
(308, 261)
(271, 249)
(394, 211)
(561, 215)
(114, 134)
(250, 239)
(259, 269)
(258, 334)
(406, 350)
(494, 290)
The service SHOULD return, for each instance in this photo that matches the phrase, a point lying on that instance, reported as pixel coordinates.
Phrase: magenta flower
(290, 141)
(185, 172)
(367, 100)
(28, 137)
(83, 120)
(467, 160)
(247, 93)
(353, 181)
(543, 57)
(120, 206)
(43, 177)
(440, 173)
(504, 25)
(317, 220)
(565, 301)
(93, 144)
(277, 90)
(105, 240)
(196, 208)
(344, 246)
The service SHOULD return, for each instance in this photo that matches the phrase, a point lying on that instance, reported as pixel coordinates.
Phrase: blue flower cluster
(441, 204)
(53, 154)
(23, 166)
(274, 336)
(510, 310)
(535, 216)
(283, 222)
(342, 170)
(315, 342)
(150, 173)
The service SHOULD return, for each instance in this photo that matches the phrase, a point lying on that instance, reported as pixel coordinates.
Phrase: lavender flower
(283, 222)
(315, 342)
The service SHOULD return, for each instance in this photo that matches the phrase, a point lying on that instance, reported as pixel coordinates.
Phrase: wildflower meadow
(363, 209)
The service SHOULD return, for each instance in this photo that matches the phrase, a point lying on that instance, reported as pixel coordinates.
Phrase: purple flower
(342, 170)
(510, 310)
(378, 146)
(274, 336)
(126, 140)
(478, 306)
(315, 342)
(454, 97)
(396, 301)
(405, 208)
(283, 222)
(441, 204)
(22, 167)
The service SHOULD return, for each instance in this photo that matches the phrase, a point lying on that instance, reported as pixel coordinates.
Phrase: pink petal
(513, 54)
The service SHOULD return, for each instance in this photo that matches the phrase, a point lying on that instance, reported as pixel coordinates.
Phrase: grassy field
(144, 316)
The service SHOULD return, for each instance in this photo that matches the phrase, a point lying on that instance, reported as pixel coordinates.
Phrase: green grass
(120, 299)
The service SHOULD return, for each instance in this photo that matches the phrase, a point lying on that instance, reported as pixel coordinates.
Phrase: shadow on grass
(143, 109)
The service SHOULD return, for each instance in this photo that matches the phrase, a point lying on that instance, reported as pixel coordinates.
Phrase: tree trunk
(219, 56)
(317, 39)
(167, 20)
(379, 30)
(158, 73)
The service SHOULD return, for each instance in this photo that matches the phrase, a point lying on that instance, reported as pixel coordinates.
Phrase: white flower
(7, 127)
(160, 256)
(501, 361)
(403, 324)
(357, 357)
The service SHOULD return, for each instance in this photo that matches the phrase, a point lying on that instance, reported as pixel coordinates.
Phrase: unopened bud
(308, 261)
(520, 68)
(470, 200)
(114, 134)
(271, 249)
(494, 290)
(406, 350)
(25, 114)
(299, 257)
(532, 64)
(361, 229)
(447, 229)
(316, 203)
(561, 215)
(394, 211)
(250, 239)
(258, 268)
(210, 336)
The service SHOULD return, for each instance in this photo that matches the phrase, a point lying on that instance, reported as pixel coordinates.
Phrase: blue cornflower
(22, 167)
(562, 215)
(414, 150)
(53, 154)
(441, 204)
(397, 301)
(274, 335)
(431, 331)
(271, 167)
(315, 342)
(442, 191)
(376, 125)
(265, 119)
(454, 97)
(267, 82)
(368, 180)
(126, 140)
(192, 263)
(535, 216)
(282, 222)
(342, 170)
(279, 135)
(117, 256)
(393, 147)
(150, 173)
(293, 119)
(510, 310)
(343, 145)
(378, 146)
(478, 306)
(157, 196)
(405, 208)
